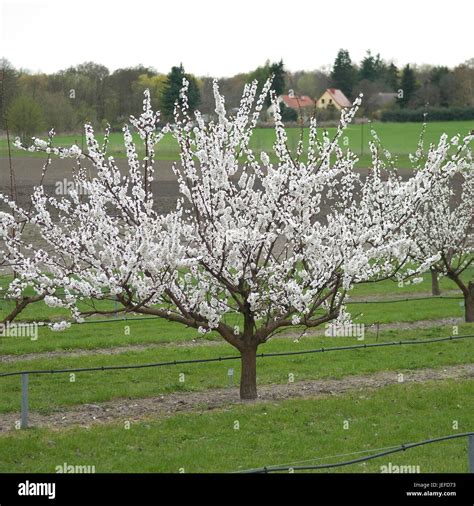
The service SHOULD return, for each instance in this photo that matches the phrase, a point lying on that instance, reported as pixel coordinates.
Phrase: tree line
(34, 102)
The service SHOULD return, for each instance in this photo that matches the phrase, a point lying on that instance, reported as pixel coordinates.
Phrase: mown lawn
(398, 138)
(270, 433)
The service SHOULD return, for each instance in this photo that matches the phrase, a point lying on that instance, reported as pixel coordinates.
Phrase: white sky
(222, 38)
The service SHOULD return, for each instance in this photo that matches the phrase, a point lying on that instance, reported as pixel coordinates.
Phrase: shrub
(25, 117)
(433, 114)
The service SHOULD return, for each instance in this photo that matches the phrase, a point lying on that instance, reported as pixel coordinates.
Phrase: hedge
(434, 114)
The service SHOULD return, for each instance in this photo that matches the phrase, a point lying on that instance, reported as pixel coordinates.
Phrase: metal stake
(24, 401)
(470, 452)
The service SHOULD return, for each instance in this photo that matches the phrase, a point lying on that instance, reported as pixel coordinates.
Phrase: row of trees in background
(415, 87)
(90, 92)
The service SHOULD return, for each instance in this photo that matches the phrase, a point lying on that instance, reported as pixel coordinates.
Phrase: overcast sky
(222, 38)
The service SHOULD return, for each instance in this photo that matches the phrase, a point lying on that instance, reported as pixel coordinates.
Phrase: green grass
(398, 138)
(270, 433)
(104, 335)
(390, 288)
(51, 392)
(120, 333)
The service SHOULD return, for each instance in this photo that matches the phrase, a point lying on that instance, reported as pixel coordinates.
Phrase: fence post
(24, 401)
(470, 452)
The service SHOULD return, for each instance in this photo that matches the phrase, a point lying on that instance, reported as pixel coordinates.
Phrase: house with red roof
(333, 97)
(303, 105)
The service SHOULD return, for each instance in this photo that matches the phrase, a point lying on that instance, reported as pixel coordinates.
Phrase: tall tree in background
(96, 75)
(155, 83)
(173, 87)
(122, 97)
(261, 75)
(25, 117)
(368, 68)
(277, 70)
(343, 72)
(391, 77)
(441, 77)
(8, 87)
(407, 85)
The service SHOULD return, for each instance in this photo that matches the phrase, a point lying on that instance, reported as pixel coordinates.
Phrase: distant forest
(31, 103)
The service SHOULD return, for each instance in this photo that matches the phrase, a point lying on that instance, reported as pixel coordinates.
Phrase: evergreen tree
(343, 72)
(380, 68)
(372, 68)
(407, 86)
(391, 76)
(261, 74)
(279, 73)
(287, 113)
(172, 88)
(367, 67)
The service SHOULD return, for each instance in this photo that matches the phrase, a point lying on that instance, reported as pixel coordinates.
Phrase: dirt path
(116, 350)
(133, 410)
(403, 296)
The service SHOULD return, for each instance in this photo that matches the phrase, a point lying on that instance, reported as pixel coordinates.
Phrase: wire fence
(389, 451)
(236, 357)
(4, 296)
(25, 374)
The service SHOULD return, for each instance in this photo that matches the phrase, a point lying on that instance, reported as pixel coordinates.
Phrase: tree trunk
(435, 283)
(469, 303)
(20, 306)
(248, 376)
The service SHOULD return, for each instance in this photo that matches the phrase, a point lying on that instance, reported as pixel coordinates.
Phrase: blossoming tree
(256, 244)
(446, 219)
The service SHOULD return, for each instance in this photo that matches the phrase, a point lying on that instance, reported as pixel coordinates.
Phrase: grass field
(269, 433)
(399, 138)
(52, 392)
(103, 335)
(283, 431)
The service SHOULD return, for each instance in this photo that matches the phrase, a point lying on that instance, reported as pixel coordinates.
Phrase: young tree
(343, 72)
(11, 232)
(247, 238)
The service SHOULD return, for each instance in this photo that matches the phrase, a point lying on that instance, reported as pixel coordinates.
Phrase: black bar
(243, 490)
